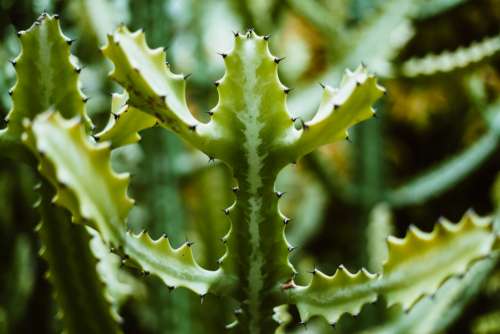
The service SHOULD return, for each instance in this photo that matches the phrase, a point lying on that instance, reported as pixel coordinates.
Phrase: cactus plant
(251, 131)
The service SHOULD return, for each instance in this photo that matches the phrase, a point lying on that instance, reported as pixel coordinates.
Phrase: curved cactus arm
(450, 61)
(124, 123)
(84, 305)
(417, 266)
(47, 76)
(120, 285)
(152, 87)
(80, 170)
(340, 109)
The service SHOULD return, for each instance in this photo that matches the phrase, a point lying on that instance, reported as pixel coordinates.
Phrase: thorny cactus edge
(251, 131)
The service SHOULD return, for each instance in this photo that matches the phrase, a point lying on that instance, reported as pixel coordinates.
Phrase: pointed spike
(266, 37)
(216, 83)
(226, 211)
(286, 220)
(56, 16)
(187, 76)
(235, 189)
(70, 41)
(192, 127)
(236, 33)
(210, 113)
(85, 99)
(11, 91)
(223, 55)
(277, 60)
(78, 69)
(13, 62)
(280, 194)
(287, 90)
(115, 116)
(189, 243)
(322, 85)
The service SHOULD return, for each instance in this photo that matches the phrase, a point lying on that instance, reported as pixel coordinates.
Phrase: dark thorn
(145, 273)
(126, 257)
(236, 33)
(266, 37)
(6, 120)
(95, 138)
(287, 90)
(170, 288)
(223, 240)
(211, 159)
(291, 249)
(219, 262)
(358, 83)
(56, 16)
(78, 69)
(235, 189)
(216, 83)
(333, 324)
(223, 55)
(165, 48)
(202, 298)
(210, 113)
(122, 263)
(192, 127)
(167, 63)
(303, 324)
(20, 33)
(278, 60)
(189, 243)
(286, 220)
(85, 99)
(279, 194)
(115, 116)
(70, 41)
(13, 62)
(313, 272)
(163, 97)
(322, 85)
(112, 249)
(336, 106)
(11, 91)
(187, 76)
(348, 139)
(293, 119)
(164, 236)
(226, 211)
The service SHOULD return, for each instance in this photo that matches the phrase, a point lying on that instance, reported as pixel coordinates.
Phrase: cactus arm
(47, 76)
(417, 266)
(340, 109)
(78, 290)
(95, 195)
(124, 123)
(151, 86)
(441, 309)
(449, 61)
(448, 173)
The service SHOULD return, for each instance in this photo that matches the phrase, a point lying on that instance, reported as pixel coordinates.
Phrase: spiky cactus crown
(251, 131)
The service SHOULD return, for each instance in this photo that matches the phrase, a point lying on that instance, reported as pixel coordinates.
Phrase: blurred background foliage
(432, 151)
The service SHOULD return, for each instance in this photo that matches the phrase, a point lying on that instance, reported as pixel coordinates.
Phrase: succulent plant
(251, 131)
